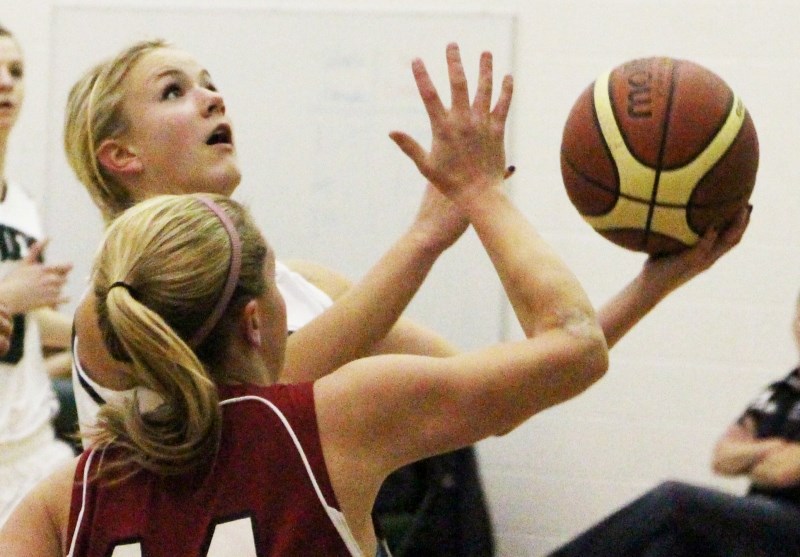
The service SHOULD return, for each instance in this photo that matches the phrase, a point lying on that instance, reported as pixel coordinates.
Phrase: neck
(241, 365)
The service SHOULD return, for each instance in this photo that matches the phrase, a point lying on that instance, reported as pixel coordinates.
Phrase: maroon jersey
(267, 493)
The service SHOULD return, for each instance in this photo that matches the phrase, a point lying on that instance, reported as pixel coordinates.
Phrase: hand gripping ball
(657, 150)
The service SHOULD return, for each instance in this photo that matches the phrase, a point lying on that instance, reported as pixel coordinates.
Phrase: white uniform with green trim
(29, 450)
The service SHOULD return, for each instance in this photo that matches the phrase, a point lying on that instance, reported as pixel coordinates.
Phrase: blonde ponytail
(161, 272)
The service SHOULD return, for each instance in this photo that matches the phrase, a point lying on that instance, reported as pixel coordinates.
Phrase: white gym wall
(676, 381)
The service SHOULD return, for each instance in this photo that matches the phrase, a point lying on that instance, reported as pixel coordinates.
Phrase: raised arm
(467, 163)
(405, 336)
(662, 275)
(378, 299)
(362, 316)
(379, 413)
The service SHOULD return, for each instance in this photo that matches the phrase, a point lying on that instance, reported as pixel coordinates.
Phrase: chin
(234, 178)
(226, 183)
(230, 187)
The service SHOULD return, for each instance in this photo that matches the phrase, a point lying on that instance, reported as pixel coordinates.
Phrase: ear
(250, 324)
(118, 158)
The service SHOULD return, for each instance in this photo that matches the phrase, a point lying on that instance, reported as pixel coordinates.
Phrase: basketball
(656, 151)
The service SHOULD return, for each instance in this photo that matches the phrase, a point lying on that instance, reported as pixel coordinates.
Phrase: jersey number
(229, 539)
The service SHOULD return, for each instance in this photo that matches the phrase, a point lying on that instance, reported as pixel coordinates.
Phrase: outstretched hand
(670, 272)
(467, 152)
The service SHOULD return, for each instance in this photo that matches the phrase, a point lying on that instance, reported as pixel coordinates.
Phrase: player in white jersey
(28, 447)
(114, 112)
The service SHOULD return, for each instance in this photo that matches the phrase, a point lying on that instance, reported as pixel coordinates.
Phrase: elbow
(591, 346)
(578, 364)
(587, 363)
(593, 359)
(599, 357)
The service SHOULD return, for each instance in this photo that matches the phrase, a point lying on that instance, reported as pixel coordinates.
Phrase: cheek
(167, 150)
(166, 128)
(19, 91)
(172, 133)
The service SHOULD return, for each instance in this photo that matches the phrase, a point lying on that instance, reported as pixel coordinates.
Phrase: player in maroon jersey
(186, 467)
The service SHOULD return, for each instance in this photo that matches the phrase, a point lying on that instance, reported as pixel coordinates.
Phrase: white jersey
(26, 398)
(304, 302)
(28, 449)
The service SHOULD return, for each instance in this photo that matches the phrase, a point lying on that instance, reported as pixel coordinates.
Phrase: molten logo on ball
(639, 99)
(656, 151)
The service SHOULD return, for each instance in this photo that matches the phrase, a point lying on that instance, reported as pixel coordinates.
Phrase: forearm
(407, 337)
(738, 451)
(363, 315)
(627, 308)
(735, 458)
(59, 365)
(55, 328)
(541, 299)
(780, 469)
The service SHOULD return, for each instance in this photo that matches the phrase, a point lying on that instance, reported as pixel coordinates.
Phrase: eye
(16, 71)
(171, 91)
(211, 87)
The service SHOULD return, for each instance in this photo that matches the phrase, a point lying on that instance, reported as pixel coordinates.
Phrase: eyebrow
(171, 72)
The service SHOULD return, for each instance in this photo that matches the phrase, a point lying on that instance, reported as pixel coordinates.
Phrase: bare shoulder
(333, 283)
(45, 512)
(56, 493)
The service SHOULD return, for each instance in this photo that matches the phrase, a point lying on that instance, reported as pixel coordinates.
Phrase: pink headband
(233, 274)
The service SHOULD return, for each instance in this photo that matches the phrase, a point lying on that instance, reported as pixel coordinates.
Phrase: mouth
(6, 105)
(222, 134)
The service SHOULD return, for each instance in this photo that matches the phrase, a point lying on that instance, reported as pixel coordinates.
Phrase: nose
(215, 104)
(7, 80)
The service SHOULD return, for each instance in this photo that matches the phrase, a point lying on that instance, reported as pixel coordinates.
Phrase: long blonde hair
(94, 114)
(159, 274)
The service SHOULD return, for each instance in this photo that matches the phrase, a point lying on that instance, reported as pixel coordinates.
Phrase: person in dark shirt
(677, 519)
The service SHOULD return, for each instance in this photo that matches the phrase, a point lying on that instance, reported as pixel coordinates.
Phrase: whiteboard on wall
(313, 95)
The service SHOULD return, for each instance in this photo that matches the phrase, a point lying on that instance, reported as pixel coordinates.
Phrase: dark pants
(682, 520)
(66, 421)
(436, 508)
